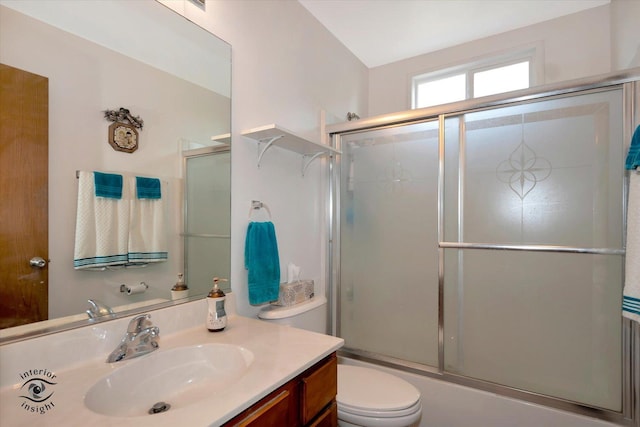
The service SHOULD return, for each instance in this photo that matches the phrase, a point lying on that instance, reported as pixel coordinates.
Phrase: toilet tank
(310, 315)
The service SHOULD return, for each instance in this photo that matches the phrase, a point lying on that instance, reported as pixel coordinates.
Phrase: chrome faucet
(98, 309)
(137, 341)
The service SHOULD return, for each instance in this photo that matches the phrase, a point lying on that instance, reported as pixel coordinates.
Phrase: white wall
(625, 34)
(286, 68)
(588, 43)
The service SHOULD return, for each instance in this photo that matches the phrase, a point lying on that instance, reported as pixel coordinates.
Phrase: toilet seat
(375, 397)
(416, 407)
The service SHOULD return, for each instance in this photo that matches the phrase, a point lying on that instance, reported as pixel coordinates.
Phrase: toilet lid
(373, 390)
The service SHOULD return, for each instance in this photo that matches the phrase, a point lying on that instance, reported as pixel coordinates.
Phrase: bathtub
(451, 405)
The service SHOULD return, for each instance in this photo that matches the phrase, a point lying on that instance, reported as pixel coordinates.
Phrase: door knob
(37, 262)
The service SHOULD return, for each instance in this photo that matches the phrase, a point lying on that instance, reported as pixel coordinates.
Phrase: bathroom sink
(168, 379)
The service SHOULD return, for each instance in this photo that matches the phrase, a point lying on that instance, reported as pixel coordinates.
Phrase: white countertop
(281, 353)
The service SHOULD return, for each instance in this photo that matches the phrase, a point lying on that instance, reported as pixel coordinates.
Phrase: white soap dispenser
(217, 317)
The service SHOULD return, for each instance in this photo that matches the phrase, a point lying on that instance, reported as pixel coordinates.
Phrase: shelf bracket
(312, 157)
(268, 143)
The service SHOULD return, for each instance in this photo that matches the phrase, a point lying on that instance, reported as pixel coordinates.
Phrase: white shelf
(225, 138)
(270, 135)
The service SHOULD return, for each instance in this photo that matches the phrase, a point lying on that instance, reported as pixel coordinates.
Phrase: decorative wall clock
(123, 134)
(123, 137)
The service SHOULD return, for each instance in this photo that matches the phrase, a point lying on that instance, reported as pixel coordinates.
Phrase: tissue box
(294, 293)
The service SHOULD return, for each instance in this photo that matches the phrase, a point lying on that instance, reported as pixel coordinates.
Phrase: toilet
(372, 398)
(366, 397)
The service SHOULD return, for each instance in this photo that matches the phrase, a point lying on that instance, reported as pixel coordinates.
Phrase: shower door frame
(629, 82)
(186, 156)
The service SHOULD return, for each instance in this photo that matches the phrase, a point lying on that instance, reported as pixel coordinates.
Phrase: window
(480, 78)
(501, 79)
(441, 91)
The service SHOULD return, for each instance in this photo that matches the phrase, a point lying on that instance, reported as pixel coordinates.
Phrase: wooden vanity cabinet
(308, 400)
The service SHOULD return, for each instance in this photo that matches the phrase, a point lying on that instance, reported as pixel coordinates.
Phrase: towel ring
(257, 205)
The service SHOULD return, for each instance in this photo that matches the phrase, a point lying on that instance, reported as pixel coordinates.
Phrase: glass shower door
(533, 230)
(207, 236)
(522, 238)
(388, 292)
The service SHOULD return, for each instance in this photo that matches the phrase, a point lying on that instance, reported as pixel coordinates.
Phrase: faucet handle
(136, 324)
(98, 309)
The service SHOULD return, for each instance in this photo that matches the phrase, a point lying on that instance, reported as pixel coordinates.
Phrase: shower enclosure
(484, 244)
(207, 217)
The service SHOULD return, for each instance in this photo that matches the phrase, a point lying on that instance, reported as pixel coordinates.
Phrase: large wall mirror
(92, 56)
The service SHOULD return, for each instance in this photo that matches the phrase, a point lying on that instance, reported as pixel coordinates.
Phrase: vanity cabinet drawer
(277, 409)
(328, 418)
(319, 388)
(307, 400)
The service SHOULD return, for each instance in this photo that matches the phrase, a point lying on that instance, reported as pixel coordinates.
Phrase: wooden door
(24, 130)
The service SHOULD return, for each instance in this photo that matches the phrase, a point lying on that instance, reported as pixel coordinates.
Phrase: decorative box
(294, 293)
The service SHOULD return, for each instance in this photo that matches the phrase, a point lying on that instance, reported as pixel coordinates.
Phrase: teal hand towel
(148, 188)
(262, 262)
(108, 185)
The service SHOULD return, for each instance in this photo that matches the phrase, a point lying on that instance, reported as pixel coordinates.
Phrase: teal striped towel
(631, 292)
(102, 223)
(262, 261)
(108, 185)
(147, 224)
(633, 157)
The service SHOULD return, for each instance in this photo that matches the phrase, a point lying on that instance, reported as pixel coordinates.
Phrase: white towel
(147, 230)
(102, 226)
(631, 294)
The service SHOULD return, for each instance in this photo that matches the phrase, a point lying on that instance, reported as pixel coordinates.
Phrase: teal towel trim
(99, 261)
(148, 256)
(633, 157)
(630, 304)
(120, 260)
(148, 188)
(108, 185)
(263, 263)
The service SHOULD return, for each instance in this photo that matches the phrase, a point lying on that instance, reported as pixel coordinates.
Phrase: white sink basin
(178, 377)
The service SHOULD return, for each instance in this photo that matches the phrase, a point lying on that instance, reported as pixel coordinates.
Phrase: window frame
(531, 53)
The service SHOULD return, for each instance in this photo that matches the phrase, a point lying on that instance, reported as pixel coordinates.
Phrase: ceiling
(379, 32)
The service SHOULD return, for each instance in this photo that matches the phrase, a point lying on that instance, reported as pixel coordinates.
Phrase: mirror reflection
(207, 225)
(70, 65)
